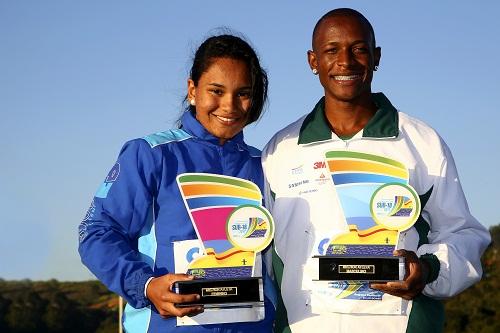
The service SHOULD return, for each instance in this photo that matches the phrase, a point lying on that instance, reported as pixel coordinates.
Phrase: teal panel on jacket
(166, 137)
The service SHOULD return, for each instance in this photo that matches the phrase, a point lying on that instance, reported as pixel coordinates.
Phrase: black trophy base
(383, 269)
(224, 293)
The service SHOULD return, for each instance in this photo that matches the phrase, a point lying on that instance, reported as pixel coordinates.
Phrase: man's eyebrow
(361, 41)
(354, 42)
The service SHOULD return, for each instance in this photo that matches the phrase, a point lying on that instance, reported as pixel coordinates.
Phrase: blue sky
(78, 79)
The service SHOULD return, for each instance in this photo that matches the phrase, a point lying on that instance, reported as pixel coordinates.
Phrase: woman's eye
(216, 91)
(245, 94)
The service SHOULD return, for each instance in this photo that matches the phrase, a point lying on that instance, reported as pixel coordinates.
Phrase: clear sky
(78, 79)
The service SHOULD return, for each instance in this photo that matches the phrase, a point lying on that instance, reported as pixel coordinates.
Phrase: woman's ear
(191, 92)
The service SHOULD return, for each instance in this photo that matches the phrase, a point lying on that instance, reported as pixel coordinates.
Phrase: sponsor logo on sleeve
(112, 176)
(86, 222)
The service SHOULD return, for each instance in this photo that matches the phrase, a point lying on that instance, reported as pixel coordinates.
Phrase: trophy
(232, 228)
(377, 204)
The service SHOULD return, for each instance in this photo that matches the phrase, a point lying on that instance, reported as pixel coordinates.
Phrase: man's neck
(348, 118)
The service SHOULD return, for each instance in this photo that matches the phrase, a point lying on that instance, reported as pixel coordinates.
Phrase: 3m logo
(319, 165)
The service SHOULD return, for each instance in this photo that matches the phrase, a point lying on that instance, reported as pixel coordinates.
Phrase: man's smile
(347, 77)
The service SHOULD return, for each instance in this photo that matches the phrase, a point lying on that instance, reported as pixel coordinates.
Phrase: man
(442, 250)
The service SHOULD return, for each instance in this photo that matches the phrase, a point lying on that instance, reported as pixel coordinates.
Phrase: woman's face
(222, 97)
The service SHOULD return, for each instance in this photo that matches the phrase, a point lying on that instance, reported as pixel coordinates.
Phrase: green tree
(25, 313)
(477, 310)
(108, 325)
(60, 313)
(4, 306)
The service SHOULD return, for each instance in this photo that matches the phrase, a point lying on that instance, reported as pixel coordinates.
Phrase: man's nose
(345, 58)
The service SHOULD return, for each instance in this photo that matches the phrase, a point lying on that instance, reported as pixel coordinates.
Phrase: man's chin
(350, 97)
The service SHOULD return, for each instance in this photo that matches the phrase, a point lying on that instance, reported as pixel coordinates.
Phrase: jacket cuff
(434, 266)
(136, 296)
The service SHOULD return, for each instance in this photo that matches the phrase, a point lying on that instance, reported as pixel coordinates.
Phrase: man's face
(345, 57)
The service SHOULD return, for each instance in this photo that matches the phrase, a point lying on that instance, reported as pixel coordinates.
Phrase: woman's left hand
(414, 282)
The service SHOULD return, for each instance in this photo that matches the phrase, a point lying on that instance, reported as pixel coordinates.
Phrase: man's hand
(159, 292)
(415, 278)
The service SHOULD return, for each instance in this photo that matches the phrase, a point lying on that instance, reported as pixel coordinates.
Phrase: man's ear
(377, 54)
(311, 59)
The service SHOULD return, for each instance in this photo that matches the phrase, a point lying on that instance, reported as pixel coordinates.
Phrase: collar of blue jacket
(193, 127)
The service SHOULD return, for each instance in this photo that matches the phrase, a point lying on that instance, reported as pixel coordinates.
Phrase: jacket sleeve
(456, 238)
(118, 215)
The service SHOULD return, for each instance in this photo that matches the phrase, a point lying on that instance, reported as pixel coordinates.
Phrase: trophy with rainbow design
(377, 204)
(232, 228)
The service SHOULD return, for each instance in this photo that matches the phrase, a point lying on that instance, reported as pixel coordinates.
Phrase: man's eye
(360, 50)
(332, 50)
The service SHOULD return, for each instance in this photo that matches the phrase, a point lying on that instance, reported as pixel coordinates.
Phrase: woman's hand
(159, 292)
(415, 278)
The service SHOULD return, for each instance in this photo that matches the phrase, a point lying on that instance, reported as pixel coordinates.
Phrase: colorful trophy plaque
(377, 204)
(232, 227)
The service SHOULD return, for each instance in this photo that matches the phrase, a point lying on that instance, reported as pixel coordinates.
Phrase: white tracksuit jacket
(304, 205)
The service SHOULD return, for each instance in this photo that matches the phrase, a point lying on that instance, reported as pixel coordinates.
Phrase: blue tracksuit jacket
(137, 213)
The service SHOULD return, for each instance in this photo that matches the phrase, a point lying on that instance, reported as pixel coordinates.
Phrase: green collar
(384, 124)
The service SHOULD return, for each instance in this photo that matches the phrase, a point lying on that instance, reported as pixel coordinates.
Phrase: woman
(137, 216)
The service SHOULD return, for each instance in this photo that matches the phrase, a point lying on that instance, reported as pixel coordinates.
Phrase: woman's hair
(233, 47)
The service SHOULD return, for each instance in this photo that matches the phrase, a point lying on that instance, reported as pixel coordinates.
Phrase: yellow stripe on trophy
(352, 288)
(196, 189)
(354, 166)
(230, 258)
(376, 235)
